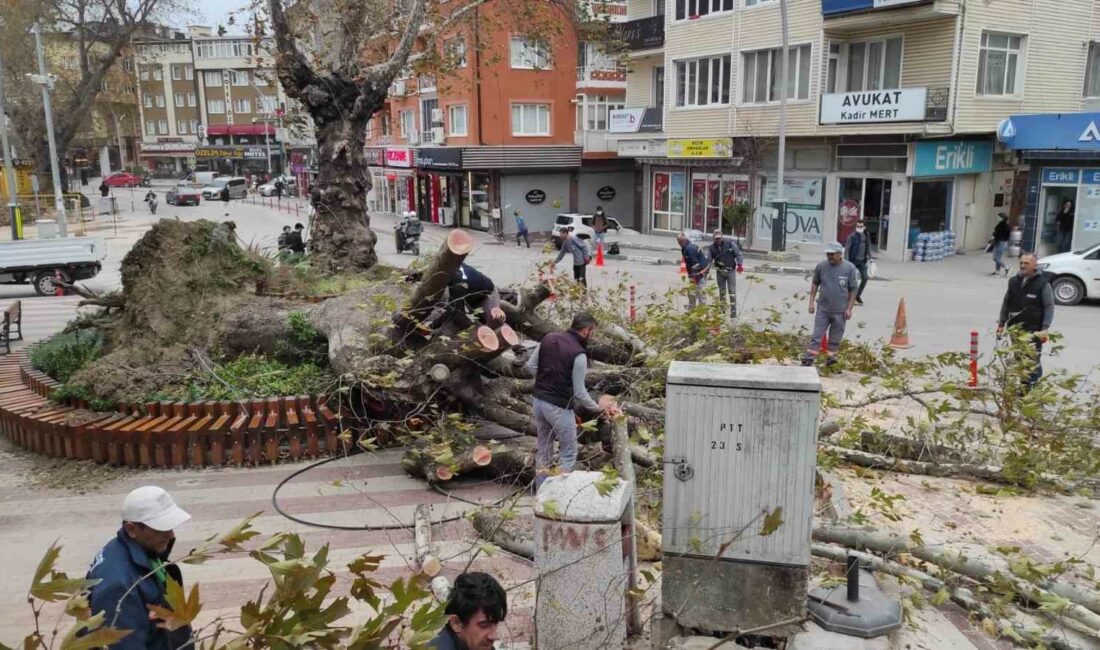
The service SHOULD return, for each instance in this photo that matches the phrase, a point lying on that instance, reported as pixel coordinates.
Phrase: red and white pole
(633, 305)
(973, 383)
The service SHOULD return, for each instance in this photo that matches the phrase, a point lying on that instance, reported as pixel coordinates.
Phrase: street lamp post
(9, 165)
(44, 80)
(779, 222)
(118, 138)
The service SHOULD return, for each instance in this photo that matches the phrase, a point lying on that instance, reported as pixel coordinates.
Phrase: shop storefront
(236, 159)
(168, 158)
(1062, 151)
(393, 179)
(536, 181)
(696, 185)
(439, 182)
(948, 175)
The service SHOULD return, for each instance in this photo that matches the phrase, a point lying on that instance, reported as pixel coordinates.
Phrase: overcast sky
(215, 12)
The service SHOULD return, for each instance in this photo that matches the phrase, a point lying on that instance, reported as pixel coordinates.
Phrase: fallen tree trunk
(513, 459)
(508, 534)
(426, 561)
(433, 281)
(1028, 593)
(989, 473)
(959, 595)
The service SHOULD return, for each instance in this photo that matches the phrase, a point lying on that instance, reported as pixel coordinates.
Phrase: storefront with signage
(1062, 151)
(168, 157)
(950, 181)
(438, 183)
(235, 159)
(393, 179)
(536, 181)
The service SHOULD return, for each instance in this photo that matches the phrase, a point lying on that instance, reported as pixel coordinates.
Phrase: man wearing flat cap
(832, 295)
(138, 555)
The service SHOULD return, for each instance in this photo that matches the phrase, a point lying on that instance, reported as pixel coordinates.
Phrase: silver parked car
(238, 188)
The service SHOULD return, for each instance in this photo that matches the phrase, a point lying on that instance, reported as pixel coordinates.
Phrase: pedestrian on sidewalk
(1001, 234)
(476, 607)
(832, 296)
(573, 245)
(726, 257)
(858, 251)
(559, 364)
(104, 189)
(521, 229)
(138, 555)
(1065, 220)
(697, 268)
(599, 226)
(1029, 305)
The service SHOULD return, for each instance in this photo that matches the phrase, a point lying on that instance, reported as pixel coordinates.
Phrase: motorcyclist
(151, 201)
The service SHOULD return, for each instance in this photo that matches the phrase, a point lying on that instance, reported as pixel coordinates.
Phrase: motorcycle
(407, 233)
(151, 201)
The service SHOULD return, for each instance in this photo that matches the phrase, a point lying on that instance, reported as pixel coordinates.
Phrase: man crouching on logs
(559, 365)
(469, 293)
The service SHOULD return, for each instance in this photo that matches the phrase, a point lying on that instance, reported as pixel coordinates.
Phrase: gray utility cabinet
(739, 440)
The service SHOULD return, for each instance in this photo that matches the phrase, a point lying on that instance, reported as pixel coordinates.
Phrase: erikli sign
(901, 105)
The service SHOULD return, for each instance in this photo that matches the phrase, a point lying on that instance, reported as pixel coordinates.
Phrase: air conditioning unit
(437, 116)
(437, 135)
(413, 137)
(398, 89)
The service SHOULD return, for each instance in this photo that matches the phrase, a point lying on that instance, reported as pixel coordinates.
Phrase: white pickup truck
(39, 260)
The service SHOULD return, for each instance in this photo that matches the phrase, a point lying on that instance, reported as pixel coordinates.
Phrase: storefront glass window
(931, 208)
(713, 201)
(668, 200)
(476, 209)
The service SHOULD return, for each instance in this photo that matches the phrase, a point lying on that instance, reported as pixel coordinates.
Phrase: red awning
(240, 129)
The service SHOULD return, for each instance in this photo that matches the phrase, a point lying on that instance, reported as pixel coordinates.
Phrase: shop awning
(240, 129)
(1051, 132)
(518, 157)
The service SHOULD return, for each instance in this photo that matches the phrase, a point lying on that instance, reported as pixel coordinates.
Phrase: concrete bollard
(581, 563)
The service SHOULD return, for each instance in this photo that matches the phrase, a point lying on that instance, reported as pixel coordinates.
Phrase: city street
(945, 300)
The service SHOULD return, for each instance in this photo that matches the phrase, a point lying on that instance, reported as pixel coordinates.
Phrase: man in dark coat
(1029, 305)
(697, 267)
(133, 571)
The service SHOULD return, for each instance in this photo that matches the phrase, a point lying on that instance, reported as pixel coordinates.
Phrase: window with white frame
(177, 73)
(215, 106)
(593, 111)
(703, 82)
(999, 62)
(212, 77)
(147, 100)
(529, 54)
(179, 100)
(223, 49)
(160, 101)
(195, 126)
(386, 126)
(658, 86)
(754, 3)
(191, 99)
(145, 74)
(456, 119)
(181, 127)
(530, 119)
(1092, 71)
(162, 127)
(455, 51)
(158, 74)
(689, 9)
(127, 65)
(238, 77)
(406, 121)
(242, 106)
(864, 65)
(266, 104)
(188, 72)
(150, 128)
(762, 71)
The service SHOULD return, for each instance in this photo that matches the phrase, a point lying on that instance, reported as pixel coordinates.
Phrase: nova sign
(901, 105)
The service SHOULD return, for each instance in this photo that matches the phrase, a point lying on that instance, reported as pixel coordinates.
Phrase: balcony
(642, 33)
(611, 11)
(595, 141)
(919, 104)
(861, 14)
(598, 76)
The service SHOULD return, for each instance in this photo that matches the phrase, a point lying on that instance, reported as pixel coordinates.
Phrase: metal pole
(780, 190)
(9, 165)
(118, 139)
(55, 169)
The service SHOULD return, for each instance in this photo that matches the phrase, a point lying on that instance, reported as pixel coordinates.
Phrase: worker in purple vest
(559, 365)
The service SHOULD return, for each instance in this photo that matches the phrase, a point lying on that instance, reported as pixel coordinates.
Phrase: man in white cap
(138, 555)
(832, 296)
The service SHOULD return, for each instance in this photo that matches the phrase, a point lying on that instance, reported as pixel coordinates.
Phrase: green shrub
(249, 377)
(79, 391)
(65, 354)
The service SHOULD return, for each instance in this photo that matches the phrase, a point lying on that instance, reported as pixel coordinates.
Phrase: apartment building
(519, 123)
(210, 102)
(892, 114)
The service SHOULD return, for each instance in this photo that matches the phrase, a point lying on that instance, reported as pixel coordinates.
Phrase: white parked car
(581, 225)
(290, 186)
(1076, 275)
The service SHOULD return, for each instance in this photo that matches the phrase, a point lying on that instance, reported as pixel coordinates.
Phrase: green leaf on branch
(59, 586)
(93, 634)
(181, 610)
(608, 481)
(772, 521)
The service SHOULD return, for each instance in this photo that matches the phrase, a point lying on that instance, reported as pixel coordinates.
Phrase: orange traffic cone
(900, 339)
(599, 253)
(683, 266)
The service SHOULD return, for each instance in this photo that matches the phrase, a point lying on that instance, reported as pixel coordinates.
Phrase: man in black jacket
(476, 607)
(726, 257)
(857, 248)
(1029, 305)
(1001, 234)
(559, 365)
(470, 295)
